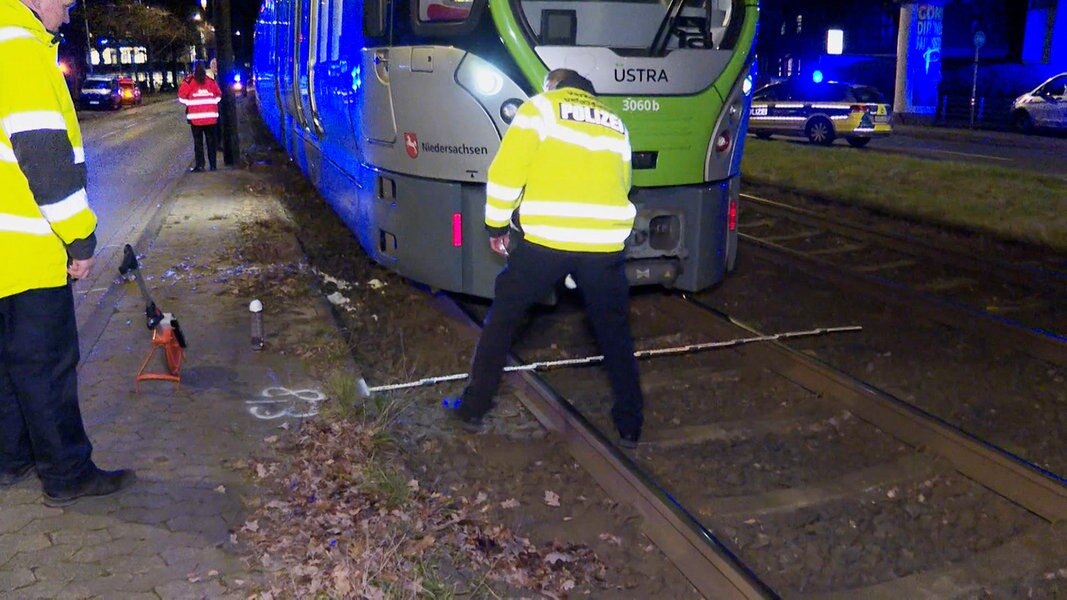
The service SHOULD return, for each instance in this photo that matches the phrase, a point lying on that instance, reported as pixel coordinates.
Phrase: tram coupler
(660, 271)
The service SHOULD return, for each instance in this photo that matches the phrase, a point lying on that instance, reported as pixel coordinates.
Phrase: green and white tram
(395, 108)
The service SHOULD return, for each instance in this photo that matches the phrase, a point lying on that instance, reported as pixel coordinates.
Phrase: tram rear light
(731, 215)
(722, 143)
(457, 230)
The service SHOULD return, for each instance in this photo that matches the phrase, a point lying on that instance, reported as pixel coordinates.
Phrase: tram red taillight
(731, 215)
(457, 230)
(722, 143)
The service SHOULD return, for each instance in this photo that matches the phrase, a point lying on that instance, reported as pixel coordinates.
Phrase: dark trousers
(40, 422)
(532, 271)
(208, 133)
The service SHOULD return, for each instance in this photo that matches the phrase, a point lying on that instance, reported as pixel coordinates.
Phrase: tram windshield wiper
(663, 34)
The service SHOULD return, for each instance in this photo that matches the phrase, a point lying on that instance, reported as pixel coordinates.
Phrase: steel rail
(708, 565)
(1035, 277)
(1035, 489)
(1040, 343)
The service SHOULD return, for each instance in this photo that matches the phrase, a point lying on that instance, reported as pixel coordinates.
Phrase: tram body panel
(399, 138)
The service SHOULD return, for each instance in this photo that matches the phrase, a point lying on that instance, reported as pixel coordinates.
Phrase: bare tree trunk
(224, 52)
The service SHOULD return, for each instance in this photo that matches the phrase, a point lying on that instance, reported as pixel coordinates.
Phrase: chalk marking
(282, 402)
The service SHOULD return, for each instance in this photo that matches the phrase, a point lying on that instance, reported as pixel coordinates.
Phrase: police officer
(46, 234)
(556, 205)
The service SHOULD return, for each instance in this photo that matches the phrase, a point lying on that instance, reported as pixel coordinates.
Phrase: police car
(821, 112)
(101, 91)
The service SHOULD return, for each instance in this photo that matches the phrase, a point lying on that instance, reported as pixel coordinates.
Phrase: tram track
(1018, 303)
(817, 442)
(758, 483)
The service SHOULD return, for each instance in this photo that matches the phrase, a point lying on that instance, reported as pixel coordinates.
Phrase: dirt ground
(387, 498)
(409, 505)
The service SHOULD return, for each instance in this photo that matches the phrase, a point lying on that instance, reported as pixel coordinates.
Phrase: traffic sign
(979, 39)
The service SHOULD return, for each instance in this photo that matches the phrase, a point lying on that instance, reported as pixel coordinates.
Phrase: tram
(394, 110)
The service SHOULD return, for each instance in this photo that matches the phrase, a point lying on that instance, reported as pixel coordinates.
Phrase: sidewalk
(169, 536)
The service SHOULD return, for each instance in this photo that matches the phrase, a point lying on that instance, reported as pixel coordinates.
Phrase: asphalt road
(133, 156)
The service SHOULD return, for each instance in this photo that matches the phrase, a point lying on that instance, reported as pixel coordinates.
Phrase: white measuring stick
(366, 391)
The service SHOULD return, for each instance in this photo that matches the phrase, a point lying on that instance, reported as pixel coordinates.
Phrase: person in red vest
(201, 96)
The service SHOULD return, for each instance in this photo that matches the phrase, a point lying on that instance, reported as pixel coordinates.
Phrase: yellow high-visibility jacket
(44, 212)
(564, 163)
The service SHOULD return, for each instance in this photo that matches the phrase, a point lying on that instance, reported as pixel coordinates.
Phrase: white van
(1043, 108)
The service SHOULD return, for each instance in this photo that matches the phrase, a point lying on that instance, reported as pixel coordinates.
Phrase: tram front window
(655, 26)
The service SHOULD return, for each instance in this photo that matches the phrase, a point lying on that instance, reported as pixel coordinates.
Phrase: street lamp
(201, 51)
(88, 37)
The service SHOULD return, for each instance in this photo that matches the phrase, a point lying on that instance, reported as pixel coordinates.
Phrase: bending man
(557, 204)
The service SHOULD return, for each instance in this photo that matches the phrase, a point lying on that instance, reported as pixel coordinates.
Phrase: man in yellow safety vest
(556, 205)
(46, 238)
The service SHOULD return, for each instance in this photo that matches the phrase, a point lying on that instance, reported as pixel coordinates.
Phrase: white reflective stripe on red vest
(201, 107)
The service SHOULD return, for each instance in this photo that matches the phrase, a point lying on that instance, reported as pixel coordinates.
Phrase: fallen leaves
(335, 529)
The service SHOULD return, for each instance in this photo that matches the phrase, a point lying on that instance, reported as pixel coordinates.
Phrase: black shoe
(101, 483)
(195, 169)
(213, 168)
(629, 440)
(468, 423)
(10, 478)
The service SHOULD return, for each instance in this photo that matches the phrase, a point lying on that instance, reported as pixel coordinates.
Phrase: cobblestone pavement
(169, 535)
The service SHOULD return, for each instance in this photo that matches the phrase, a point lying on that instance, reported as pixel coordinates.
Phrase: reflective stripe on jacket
(44, 212)
(201, 100)
(565, 164)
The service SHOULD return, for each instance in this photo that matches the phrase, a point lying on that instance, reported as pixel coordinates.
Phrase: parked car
(130, 92)
(1044, 107)
(101, 91)
(821, 112)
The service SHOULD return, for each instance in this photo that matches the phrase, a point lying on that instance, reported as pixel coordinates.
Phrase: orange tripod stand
(166, 333)
(164, 336)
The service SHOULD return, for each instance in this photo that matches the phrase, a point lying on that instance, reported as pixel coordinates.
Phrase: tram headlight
(509, 109)
(487, 82)
(491, 88)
